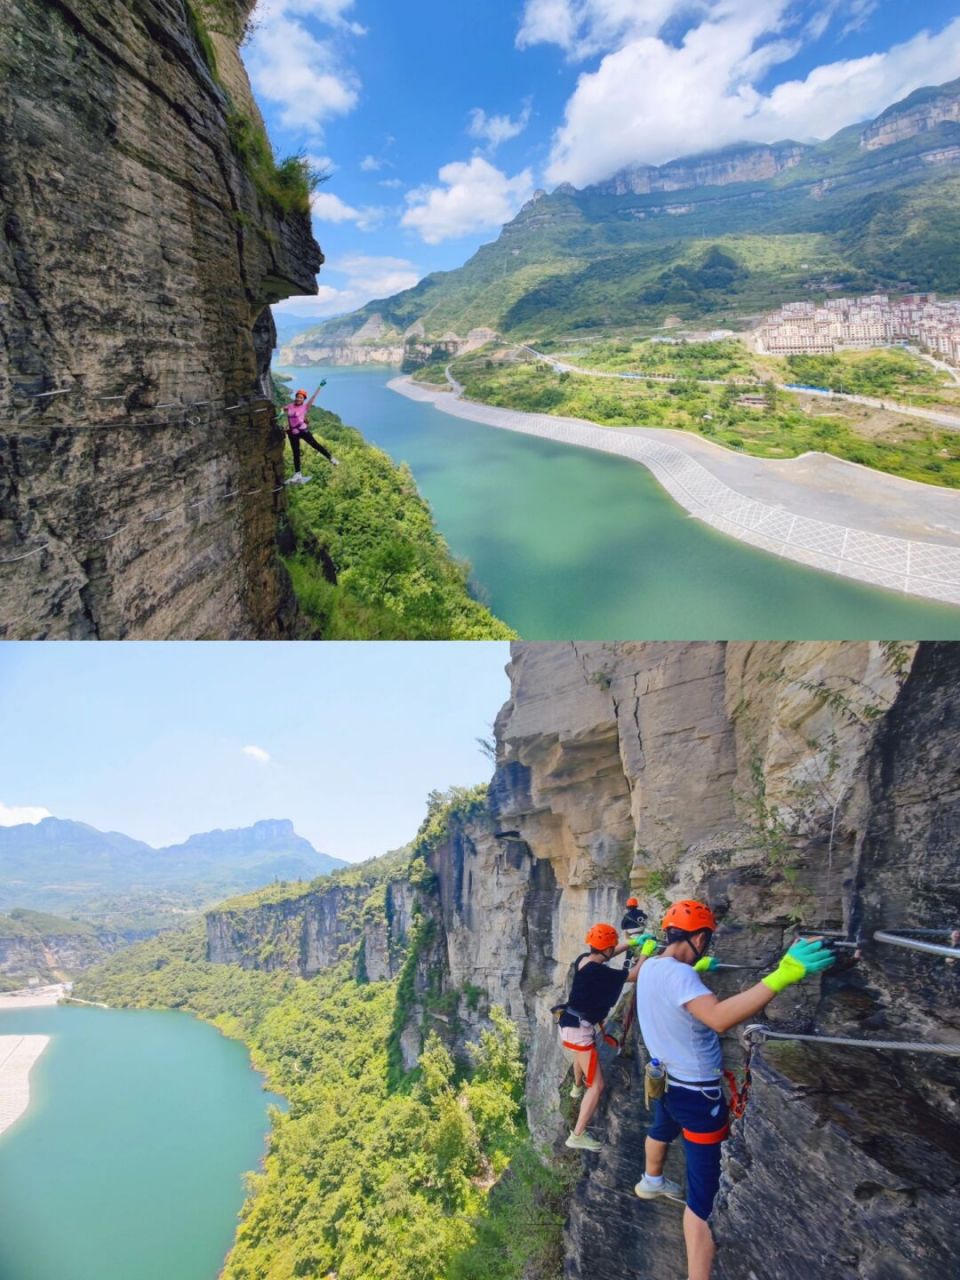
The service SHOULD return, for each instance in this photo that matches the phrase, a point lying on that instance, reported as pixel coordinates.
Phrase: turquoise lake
(566, 543)
(130, 1162)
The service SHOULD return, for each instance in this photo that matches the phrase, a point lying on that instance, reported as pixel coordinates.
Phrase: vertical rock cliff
(137, 259)
(799, 784)
(787, 784)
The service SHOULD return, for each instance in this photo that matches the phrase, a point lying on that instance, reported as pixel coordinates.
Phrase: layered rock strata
(138, 461)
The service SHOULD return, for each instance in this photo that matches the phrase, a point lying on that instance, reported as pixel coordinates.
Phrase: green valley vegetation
(364, 555)
(757, 419)
(840, 217)
(374, 1172)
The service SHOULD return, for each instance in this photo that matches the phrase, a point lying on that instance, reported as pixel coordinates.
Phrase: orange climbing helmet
(633, 902)
(690, 916)
(601, 936)
(301, 392)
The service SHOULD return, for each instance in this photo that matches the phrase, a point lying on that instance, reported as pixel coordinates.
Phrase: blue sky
(436, 121)
(163, 740)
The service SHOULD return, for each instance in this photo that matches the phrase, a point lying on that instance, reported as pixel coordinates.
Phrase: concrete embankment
(17, 1056)
(815, 510)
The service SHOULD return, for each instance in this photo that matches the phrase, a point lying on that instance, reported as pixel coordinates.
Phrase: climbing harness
(739, 1095)
(759, 1031)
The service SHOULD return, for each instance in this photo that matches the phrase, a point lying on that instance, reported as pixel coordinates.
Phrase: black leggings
(306, 436)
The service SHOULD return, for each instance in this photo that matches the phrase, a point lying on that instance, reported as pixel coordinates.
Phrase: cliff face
(783, 783)
(719, 169)
(809, 784)
(138, 257)
(912, 117)
(50, 956)
(309, 931)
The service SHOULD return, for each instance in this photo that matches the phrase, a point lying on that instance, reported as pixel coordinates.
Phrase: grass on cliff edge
(396, 578)
(783, 429)
(362, 1180)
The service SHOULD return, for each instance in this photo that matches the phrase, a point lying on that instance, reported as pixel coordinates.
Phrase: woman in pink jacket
(298, 430)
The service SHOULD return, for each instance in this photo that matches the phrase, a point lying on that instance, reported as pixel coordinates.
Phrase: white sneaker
(583, 1142)
(305, 479)
(647, 1191)
(334, 462)
(294, 479)
(576, 1091)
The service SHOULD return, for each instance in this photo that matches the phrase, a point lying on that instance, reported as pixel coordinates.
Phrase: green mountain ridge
(873, 207)
(66, 867)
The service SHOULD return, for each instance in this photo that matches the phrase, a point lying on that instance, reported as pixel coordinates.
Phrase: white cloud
(366, 277)
(330, 208)
(584, 27)
(497, 129)
(392, 183)
(258, 754)
(475, 196)
(13, 815)
(370, 164)
(306, 77)
(651, 101)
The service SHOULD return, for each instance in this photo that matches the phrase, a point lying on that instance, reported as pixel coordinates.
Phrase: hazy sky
(438, 120)
(163, 740)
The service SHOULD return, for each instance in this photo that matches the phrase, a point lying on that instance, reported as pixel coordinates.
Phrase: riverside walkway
(815, 510)
(17, 1056)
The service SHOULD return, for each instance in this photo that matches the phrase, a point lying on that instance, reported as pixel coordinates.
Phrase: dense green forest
(374, 1172)
(365, 557)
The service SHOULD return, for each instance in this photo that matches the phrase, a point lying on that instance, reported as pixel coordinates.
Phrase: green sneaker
(583, 1142)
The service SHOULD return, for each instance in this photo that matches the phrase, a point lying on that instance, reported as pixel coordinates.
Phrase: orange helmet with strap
(690, 916)
(632, 902)
(601, 937)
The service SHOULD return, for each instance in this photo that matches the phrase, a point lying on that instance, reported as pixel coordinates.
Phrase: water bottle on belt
(654, 1081)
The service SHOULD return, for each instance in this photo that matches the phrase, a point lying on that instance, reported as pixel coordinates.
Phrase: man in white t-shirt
(680, 1019)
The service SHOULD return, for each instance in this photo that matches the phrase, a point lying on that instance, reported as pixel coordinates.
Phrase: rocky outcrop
(41, 948)
(717, 169)
(310, 930)
(375, 343)
(138, 258)
(802, 782)
(920, 113)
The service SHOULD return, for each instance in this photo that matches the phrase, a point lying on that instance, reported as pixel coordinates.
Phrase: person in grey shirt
(681, 1021)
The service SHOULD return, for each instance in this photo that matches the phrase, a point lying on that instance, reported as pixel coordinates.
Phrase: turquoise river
(129, 1163)
(566, 543)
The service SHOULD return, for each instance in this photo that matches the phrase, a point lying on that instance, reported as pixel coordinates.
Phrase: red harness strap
(707, 1139)
(592, 1065)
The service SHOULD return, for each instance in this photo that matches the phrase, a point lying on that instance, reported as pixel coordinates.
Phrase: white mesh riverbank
(17, 1056)
(782, 527)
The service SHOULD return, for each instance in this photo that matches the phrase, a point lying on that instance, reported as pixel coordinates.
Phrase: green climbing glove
(323, 382)
(806, 956)
(706, 965)
(646, 944)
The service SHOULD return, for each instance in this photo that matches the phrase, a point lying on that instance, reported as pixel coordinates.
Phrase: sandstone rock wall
(313, 930)
(136, 264)
(785, 783)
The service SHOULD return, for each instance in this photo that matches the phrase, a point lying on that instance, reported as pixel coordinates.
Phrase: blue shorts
(702, 1118)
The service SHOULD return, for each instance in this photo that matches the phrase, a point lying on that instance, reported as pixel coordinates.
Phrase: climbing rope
(759, 1031)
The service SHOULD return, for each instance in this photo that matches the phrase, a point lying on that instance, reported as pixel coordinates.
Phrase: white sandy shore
(17, 1056)
(815, 510)
(33, 997)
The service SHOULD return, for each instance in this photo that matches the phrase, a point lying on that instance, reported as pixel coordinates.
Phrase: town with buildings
(808, 328)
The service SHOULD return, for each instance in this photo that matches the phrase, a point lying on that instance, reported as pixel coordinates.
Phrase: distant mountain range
(73, 869)
(875, 207)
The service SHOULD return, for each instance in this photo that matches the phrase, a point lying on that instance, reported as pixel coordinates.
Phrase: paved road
(816, 509)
